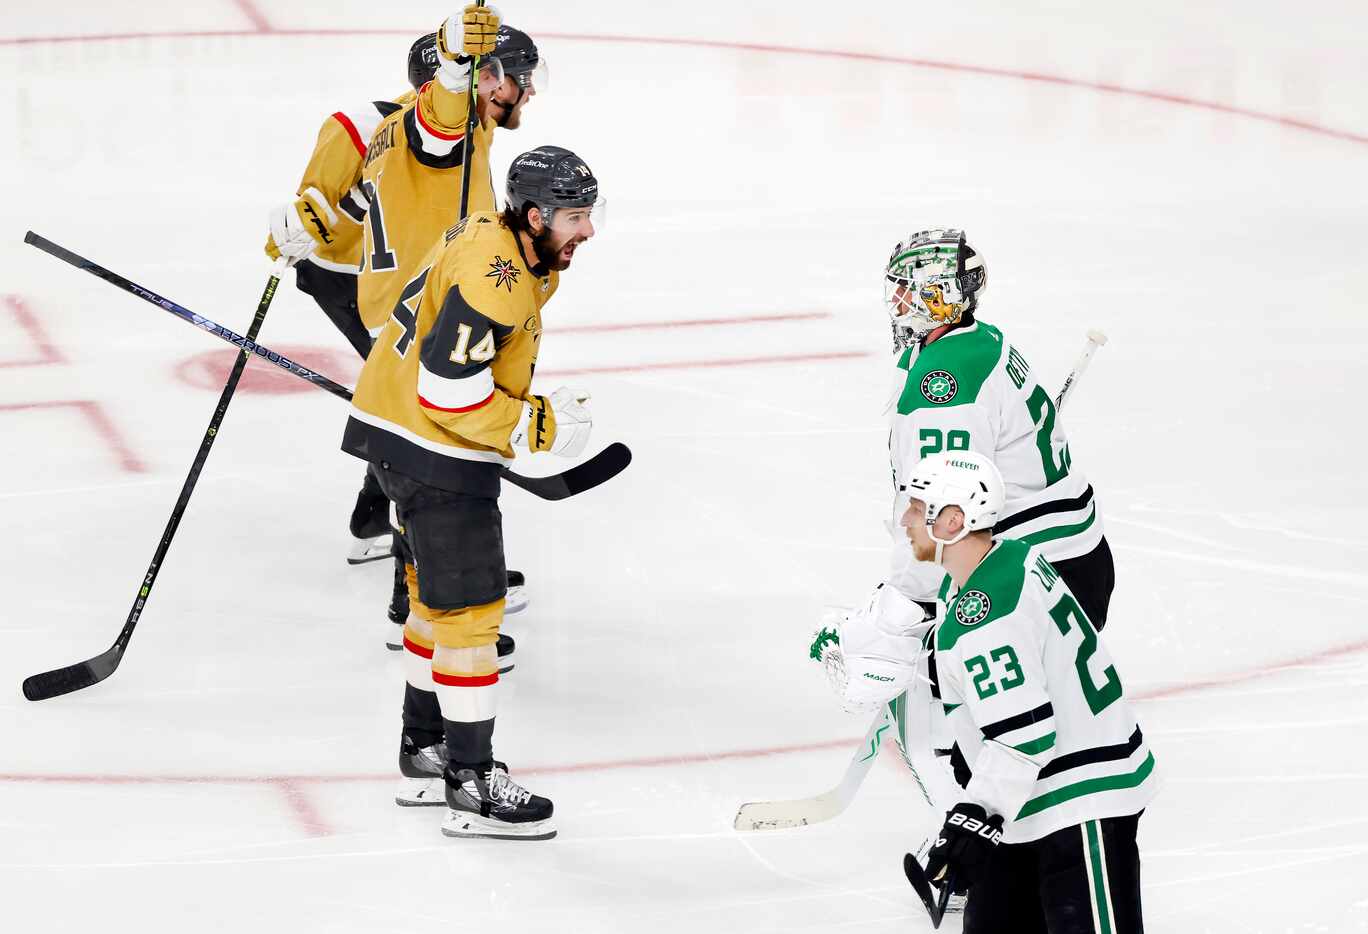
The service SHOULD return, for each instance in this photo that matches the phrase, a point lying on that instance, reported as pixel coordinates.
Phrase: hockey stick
(935, 901)
(780, 815)
(1096, 339)
(598, 469)
(768, 815)
(84, 674)
(472, 121)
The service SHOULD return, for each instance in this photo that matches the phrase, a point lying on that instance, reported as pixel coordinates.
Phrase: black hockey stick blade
(59, 681)
(602, 467)
(934, 901)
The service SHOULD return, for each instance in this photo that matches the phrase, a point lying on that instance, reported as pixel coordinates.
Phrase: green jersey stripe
(1063, 531)
(1036, 745)
(1087, 787)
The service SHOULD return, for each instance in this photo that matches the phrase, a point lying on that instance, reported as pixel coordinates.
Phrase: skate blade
(364, 550)
(470, 826)
(515, 600)
(421, 793)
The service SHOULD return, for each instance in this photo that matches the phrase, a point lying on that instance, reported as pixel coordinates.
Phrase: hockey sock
(470, 745)
(422, 716)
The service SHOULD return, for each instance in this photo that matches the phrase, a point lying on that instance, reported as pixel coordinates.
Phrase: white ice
(1187, 177)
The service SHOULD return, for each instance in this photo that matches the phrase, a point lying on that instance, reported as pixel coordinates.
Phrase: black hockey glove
(966, 843)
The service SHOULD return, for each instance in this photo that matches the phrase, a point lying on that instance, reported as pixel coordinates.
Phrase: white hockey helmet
(965, 479)
(932, 278)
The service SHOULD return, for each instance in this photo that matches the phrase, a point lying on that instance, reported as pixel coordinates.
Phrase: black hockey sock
(422, 716)
(470, 743)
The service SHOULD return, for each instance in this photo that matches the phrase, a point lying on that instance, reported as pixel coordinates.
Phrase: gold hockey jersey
(442, 390)
(333, 172)
(411, 183)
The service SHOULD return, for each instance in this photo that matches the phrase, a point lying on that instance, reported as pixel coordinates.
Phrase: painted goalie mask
(933, 278)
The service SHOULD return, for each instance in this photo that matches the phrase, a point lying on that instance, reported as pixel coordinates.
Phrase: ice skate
(487, 803)
(421, 768)
(515, 600)
(372, 536)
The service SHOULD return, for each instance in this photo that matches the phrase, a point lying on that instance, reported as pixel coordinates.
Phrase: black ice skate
(487, 803)
(372, 536)
(421, 768)
(515, 600)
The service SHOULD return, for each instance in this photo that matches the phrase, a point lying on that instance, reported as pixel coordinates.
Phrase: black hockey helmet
(550, 177)
(422, 60)
(518, 54)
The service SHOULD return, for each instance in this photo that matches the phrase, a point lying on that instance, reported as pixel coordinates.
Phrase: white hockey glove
(474, 31)
(300, 227)
(873, 653)
(560, 424)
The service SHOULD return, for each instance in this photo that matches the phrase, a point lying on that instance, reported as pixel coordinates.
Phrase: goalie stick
(598, 469)
(777, 815)
(780, 815)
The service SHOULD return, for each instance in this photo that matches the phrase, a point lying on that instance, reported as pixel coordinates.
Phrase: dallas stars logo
(824, 638)
(503, 272)
(973, 607)
(939, 387)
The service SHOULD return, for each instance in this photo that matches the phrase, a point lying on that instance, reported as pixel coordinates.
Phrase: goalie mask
(965, 479)
(933, 278)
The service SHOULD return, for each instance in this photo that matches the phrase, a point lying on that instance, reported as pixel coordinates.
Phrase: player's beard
(924, 550)
(510, 115)
(549, 252)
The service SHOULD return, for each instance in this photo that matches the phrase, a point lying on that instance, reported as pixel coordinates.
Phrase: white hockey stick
(778, 815)
(1096, 339)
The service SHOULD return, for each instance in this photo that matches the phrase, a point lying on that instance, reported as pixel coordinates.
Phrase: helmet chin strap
(522, 92)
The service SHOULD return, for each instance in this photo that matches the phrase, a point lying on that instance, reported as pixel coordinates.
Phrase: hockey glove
(966, 843)
(301, 227)
(475, 31)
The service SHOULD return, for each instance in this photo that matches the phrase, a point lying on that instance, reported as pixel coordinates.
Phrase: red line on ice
(254, 16)
(32, 325)
(295, 787)
(298, 798)
(103, 424)
(1164, 97)
(650, 762)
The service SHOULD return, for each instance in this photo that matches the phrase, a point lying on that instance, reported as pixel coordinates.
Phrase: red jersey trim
(418, 109)
(465, 408)
(350, 127)
(466, 681)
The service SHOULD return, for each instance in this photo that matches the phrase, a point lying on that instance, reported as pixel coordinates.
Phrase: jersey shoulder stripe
(429, 146)
(362, 123)
(952, 370)
(991, 592)
(353, 131)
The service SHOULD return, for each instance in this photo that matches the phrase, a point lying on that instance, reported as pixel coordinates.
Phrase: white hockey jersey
(1034, 701)
(971, 390)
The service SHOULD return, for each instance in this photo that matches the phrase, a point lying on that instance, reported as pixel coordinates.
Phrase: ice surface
(236, 772)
